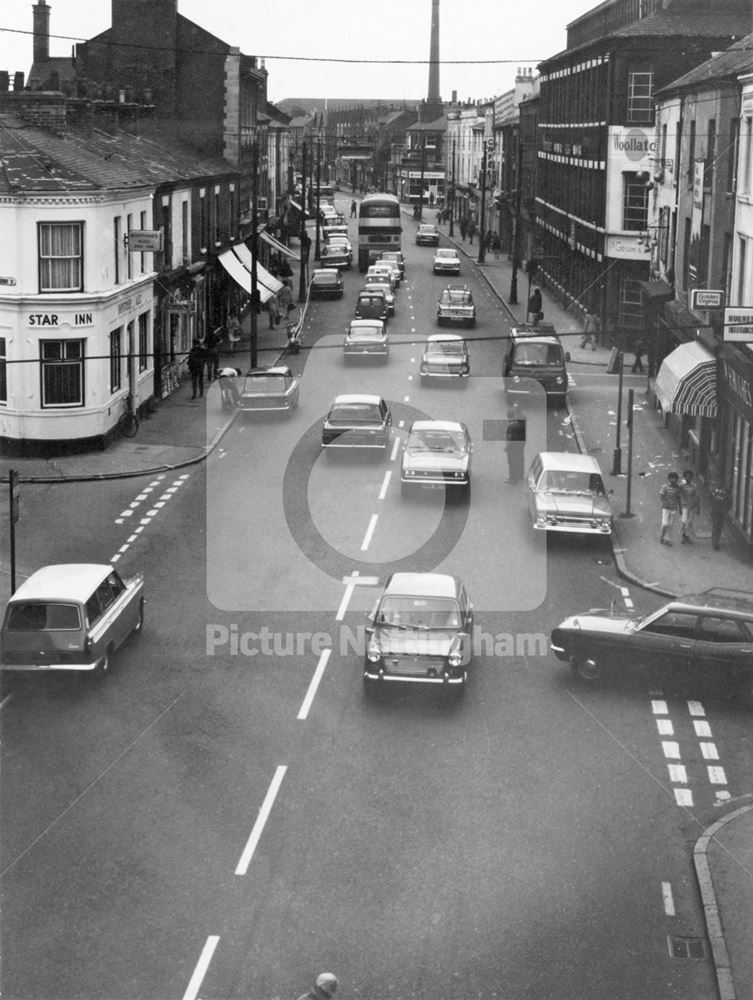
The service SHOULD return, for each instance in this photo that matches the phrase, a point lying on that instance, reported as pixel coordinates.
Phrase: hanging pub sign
(707, 298)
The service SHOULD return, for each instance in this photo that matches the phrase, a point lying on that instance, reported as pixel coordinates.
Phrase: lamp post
(513, 300)
(617, 455)
(317, 249)
(423, 168)
(254, 248)
(488, 146)
(304, 240)
(452, 192)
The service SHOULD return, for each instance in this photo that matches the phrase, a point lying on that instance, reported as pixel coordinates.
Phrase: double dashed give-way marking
(155, 506)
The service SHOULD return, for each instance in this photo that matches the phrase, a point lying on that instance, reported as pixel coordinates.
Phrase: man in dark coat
(515, 442)
(196, 362)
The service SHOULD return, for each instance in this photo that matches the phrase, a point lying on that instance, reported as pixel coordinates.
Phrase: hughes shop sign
(738, 325)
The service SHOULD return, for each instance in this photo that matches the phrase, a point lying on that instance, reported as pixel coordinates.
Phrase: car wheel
(585, 669)
(137, 628)
(372, 689)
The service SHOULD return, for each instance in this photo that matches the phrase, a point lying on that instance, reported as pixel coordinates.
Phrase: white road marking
(671, 749)
(385, 483)
(318, 674)
(678, 773)
(709, 751)
(659, 707)
(395, 449)
(683, 797)
(669, 903)
(665, 727)
(696, 708)
(266, 807)
(192, 990)
(723, 796)
(717, 775)
(401, 423)
(6, 699)
(702, 728)
(406, 399)
(369, 532)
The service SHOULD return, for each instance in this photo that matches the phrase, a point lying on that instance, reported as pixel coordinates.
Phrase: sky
(482, 42)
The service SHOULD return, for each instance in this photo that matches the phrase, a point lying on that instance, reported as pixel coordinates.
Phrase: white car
(382, 268)
(446, 261)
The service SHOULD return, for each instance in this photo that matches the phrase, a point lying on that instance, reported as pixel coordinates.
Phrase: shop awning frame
(686, 382)
(238, 266)
(279, 247)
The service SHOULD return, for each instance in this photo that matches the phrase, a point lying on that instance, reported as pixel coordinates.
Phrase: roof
(346, 399)
(272, 370)
(437, 425)
(567, 461)
(366, 324)
(721, 597)
(442, 337)
(424, 584)
(64, 581)
(738, 58)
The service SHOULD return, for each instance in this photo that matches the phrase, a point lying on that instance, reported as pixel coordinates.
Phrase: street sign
(7, 281)
(738, 325)
(706, 298)
(144, 240)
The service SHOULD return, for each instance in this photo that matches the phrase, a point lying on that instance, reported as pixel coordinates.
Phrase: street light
(317, 250)
(304, 240)
(452, 192)
(488, 147)
(254, 247)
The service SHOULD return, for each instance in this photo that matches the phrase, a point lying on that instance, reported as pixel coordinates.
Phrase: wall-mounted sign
(625, 247)
(738, 325)
(53, 320)
(706, 298)
(7, 281)
(144, 241)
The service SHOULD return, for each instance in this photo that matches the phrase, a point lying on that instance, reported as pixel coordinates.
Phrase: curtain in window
(60, 256)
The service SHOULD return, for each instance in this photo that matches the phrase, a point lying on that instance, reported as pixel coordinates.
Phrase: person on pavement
(671, 507)
(590, 330)
(691, 505)
(324, 988)
(196, 362)
(719, 500)
(212, 343)
(228, 388)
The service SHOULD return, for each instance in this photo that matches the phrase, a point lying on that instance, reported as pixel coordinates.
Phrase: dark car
(536, 353)
(437, 454)
(445, 356)
(705, 638)
(357, 421)
(456, 305)
(372, 304)
(273, 388)
(336, 255)
(427, 235)
(326, 283)
(420, 632)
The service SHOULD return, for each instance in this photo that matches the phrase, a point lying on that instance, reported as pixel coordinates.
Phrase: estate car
(566, 493)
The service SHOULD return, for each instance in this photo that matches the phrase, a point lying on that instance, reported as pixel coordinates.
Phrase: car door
(723, 651)
(664, 646)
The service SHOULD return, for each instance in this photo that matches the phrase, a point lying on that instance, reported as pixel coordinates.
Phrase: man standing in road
(324, 988)
(353, 209)
(515, 443)
(671, 506)
(691, 505)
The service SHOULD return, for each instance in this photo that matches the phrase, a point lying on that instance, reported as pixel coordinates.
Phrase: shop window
(61, 256)
(630, 305)
(62, 365)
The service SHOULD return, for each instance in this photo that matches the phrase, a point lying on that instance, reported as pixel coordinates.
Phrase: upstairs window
(61, 256)
(640, 96)
(634, 204)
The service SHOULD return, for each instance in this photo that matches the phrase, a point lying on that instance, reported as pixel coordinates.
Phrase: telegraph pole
(513, 300)
(302, 283)
(254, 248)
(452, 192)
(488, 145)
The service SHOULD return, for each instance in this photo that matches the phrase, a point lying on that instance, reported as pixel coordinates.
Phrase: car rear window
(355, 413)
(366, 332)
(38, 616)
(452, 347)
(264, 383)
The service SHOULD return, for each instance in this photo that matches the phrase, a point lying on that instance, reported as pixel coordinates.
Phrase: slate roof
(34, 159)
(738, 58)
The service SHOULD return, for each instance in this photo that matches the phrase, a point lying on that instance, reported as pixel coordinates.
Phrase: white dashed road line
(192, 990)
(266, 807)
(669, 903)
(315, 680)
(156, 507)
(369, 532)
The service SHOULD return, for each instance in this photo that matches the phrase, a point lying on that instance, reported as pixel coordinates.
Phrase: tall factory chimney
(41, 15)
(433, 100)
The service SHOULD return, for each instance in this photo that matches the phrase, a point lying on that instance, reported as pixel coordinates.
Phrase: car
(331, 230)
(394, 269)
(384, 282)
(326, 283)
(384, 270)
(398, 257)
(427, 235)
(437, 455)
(71, 616)
(357, 421)
(705, 639)
(456, 305)
(372, 303)
(446, 261)
(534, 353)
(336, 238)
(445, 356)
(420, 632)
(366, 338)
(566, 493)
(271, 388)
(336, 255)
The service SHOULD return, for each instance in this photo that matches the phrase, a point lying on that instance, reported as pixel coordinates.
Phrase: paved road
(522, 844)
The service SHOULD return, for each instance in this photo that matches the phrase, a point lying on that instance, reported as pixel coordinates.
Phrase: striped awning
(686, 382)
(237, 263)
(278, 246)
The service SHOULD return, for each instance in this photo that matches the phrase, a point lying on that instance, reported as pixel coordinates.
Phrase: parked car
(384, 282)
(446, 261)
(456, 305)
(271, 388)
(535, 353)
(437, 455)
(420, 632)
(372, 303)
(445, 356)
(326, 283)
(427, 235)
(72, 616)
(566, 493)
(398, 257)
(366, 338)
(357, 421)
(336, 255)
(703, 639)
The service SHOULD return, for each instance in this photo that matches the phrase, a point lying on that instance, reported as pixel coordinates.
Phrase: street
(225, 812)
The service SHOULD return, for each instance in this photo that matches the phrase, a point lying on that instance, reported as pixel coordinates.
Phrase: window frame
(62, 362)
(76, 226)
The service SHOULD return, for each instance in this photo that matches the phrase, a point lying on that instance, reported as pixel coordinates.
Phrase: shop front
(736, 423)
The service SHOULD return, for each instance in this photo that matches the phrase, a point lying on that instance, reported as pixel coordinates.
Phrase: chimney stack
(41, 32)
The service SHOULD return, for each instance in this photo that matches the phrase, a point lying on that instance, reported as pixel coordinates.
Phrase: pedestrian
(471, 231)
(535, 303)
(285, 299)
(691, 505)
(273, 308)
(515, 442)
(671, 507)
(228, 388)
(591, 329)
(463, 228)
(212, 343)
(640, 351)
(196, 362)
(488, 240)
(719, 501)
(324, 987)
(233, 327)
(353, 208)
(496, 246)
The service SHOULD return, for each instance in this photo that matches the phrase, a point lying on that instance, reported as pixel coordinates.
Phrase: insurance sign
(738, 325)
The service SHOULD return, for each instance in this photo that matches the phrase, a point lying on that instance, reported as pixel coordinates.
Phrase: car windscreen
(561, 481)
(436, 440)
(264, 383)
(401, 611)
(355, 413)
(450, 254)
(42, 616)
(537, 354)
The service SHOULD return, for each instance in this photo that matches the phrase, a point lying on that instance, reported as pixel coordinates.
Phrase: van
(535, 352)
(372, 304)
(71, 617)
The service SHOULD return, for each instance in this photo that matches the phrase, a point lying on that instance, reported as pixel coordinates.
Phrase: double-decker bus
(379, 227)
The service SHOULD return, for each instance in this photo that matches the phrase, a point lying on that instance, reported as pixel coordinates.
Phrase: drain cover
(687, 947)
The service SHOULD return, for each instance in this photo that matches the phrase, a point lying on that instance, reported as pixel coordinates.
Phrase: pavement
(183, 431)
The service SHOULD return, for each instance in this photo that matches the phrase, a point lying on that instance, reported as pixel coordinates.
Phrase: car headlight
(374, 653)
(455, 656)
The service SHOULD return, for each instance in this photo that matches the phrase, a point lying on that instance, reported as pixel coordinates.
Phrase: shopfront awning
(239, 269)
(686, 382)
(279, 247)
